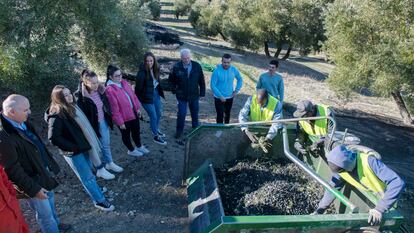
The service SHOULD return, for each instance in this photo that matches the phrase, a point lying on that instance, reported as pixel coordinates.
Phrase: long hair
(87, 75)
(155, 67)
(58, 103)
(110, 72)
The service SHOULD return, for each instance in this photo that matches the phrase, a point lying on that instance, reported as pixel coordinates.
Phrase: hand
(222, 99)
(318, 211)
(374, 217)
(234, 94)
(265, 143)
(42, 194)
(122, 126)
(299, 148)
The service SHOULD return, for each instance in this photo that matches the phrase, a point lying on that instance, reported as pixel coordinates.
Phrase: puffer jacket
(11, 218)
(120, 106)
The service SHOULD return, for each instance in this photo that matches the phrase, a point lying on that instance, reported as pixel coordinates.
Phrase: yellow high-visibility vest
(368, 181)
(320, 127)
(265, 114)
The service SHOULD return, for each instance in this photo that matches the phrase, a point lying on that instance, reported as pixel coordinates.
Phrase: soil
(267, 187)
(148, 195)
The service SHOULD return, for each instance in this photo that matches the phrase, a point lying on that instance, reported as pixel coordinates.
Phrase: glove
(265, 144)
(315, 146)
(318, 211)
(299, 148)
(374, 217)
(251, 136)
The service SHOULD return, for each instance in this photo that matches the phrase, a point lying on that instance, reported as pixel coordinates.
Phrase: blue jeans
(154, 111)
(82, 167)
(182, 112)
(105, 141)
(45, 213)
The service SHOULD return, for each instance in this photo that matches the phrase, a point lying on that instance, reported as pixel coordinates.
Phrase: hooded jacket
(120, 105)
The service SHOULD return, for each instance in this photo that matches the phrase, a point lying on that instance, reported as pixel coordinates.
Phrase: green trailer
(212, 145)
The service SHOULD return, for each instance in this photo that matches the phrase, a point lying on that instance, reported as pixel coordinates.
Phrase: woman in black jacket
(95, 105)
(149, 92)
(70, 131)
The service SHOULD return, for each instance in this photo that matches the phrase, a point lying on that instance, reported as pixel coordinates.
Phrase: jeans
(82, 167)
(45, 213)
(154, 111)
(105, 141)
(132, 129)
(182, 112)
(223, 110)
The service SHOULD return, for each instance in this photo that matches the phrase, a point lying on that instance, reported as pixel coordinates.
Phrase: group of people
(79, 126)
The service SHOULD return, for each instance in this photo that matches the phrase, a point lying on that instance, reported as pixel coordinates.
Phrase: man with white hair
(188, 83)
(28, 163)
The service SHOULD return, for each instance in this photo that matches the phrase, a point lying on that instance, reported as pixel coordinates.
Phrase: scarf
(90, 136)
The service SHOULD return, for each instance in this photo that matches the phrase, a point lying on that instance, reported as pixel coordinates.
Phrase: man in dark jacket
(28, 163)
(188, 83)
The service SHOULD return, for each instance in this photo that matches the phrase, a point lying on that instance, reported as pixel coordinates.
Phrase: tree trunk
(405, 114)
(223, 36)
(266, 49)
(279, 49)
(287, 53)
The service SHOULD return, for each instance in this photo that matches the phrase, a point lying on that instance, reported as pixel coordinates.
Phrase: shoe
(105, 206)
(104, 189)
(158, 139)
(103, 173)
(64, 227)
(135, 153)
(113, 167)
(161, 134)
(142, 149)
(178, 135)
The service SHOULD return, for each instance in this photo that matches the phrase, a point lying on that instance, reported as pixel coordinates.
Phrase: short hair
(226, 56)
(274, 62)
(185, 52)
(12, 101)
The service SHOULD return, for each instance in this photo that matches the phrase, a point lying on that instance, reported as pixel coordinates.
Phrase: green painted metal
(218, 143)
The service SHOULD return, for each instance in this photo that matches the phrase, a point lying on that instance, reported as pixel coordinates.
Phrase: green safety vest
(265, 114)
(320, 127)
(368, 181)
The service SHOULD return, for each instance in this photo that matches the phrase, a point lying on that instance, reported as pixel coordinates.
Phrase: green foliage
(372, 44)
(182, 7)
(43, 43)
(251, 24)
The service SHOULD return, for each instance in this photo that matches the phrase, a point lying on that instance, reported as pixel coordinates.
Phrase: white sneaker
(103, 173)
(135, 153)
(112, 166)
(142, 149)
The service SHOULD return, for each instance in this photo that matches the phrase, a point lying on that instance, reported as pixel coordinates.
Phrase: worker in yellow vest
(311, 133)
(261, 107)
(365, 172)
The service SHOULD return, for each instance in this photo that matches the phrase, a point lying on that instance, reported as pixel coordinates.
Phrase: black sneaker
(161, 134)
(160, 140)
(63, 227)
(105, 206)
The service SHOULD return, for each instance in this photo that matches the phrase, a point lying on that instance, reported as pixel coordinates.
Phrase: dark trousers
(132, 129)
(182, 112)
(223, 110)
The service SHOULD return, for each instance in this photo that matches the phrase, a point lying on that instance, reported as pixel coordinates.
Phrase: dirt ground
(148, 195)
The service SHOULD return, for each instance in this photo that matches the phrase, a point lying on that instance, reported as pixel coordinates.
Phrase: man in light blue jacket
(222, 85)
(272, 81)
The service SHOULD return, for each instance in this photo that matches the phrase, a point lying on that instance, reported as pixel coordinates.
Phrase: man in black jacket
(188, 83)
(28, 163)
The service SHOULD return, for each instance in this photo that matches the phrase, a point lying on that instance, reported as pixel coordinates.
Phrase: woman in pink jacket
(125, 110)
